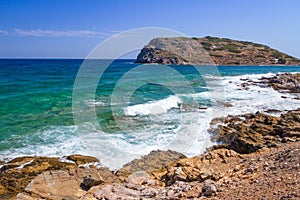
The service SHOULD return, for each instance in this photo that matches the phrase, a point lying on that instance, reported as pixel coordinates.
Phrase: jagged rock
(132, 191)
(188, 170)
(65, 184)
(179, 190)
(154, 160)
(17, 174)
(195, 169)
(116, 191)
(251, 132)
(286, 82)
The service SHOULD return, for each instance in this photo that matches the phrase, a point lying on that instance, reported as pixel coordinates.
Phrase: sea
(118, 110)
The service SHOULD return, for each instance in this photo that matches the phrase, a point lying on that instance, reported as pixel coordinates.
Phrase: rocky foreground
(211, 51)
(259, 158)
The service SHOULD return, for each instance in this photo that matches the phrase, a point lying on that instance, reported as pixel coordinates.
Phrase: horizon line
(57, 58)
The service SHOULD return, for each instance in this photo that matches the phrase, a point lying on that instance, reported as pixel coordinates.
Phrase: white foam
(95, 103)
(55, 141)
(228, 90)
(23, 165)
(255, 98)
(186, 132)
(154, 107)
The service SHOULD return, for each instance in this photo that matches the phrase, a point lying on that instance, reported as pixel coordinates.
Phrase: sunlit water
(36, 108)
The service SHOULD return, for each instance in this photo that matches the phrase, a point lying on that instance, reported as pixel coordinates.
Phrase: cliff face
(211, 50)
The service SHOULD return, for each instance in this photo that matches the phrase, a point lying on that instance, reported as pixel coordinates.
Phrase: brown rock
(22, 196)
(285, 83)
(53, 185)
(257, 130)
(188, 170)
(116, 191)
(16, 175)
(90, 181)
(155, 160)
(79, 159)
(209, 188)
(140, 178)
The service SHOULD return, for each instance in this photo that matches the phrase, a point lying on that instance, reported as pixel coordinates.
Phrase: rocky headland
(258, 158)
(211, 51)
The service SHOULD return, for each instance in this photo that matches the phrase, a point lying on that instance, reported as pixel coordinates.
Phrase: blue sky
(72, 28)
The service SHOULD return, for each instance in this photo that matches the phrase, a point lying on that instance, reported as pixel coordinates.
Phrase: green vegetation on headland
(211, 50)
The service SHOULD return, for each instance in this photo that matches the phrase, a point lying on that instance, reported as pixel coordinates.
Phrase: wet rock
(251, 132)
(272, 111)
(79, 159)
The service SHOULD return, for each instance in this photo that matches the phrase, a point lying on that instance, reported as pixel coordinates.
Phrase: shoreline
(161, 172)
(249, 143)
(234, 105)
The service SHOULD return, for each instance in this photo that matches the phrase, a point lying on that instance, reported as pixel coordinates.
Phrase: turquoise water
(36, 101)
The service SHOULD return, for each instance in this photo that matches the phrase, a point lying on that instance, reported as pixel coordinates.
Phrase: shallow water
(137, 109)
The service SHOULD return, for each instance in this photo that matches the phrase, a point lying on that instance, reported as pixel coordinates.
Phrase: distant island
(211, 50)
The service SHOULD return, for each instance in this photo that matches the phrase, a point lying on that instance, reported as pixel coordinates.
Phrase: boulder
(154, 160)
(53, 185)
(209, 188)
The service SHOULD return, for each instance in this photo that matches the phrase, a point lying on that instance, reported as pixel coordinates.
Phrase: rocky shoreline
(259, 158)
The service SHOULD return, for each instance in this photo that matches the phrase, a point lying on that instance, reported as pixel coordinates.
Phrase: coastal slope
(211, 50)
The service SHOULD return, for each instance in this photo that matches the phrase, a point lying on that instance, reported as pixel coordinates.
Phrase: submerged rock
(285, 83)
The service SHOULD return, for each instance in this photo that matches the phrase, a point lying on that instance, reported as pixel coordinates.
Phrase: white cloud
(58, 33)
(3, 32)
